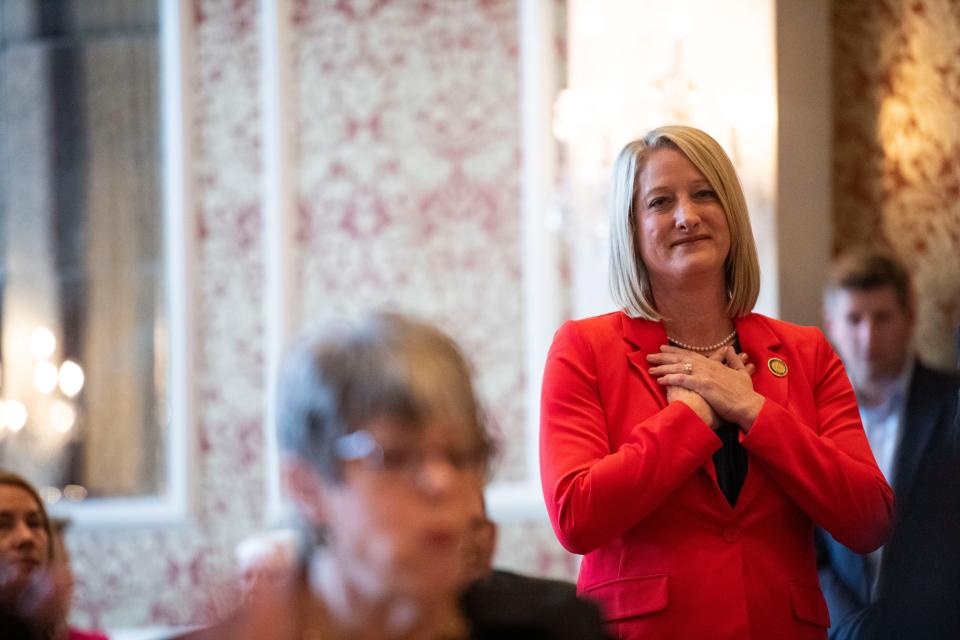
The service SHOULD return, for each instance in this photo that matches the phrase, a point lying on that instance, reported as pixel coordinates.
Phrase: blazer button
(731, 534)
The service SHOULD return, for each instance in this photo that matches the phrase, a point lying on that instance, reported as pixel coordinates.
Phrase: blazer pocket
(809, 605)
(630, 597)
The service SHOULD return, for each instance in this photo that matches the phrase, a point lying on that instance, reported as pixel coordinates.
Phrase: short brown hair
(864, 267)
(11, 479)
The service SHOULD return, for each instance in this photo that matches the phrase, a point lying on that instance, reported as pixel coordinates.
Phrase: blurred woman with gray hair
(384, 451)
(383, 444)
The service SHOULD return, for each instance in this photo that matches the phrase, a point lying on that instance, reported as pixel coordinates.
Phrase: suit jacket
(508, 605)
(920, 572)
(629, 482)
(929, 412)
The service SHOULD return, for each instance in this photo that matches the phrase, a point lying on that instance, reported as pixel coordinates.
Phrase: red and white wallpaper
(408, 126)
(409, 168)
(407, 120)
(165, 576)
(897, 148)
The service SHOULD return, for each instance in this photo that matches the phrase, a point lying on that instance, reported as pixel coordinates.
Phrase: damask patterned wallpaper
(409, 171)
(408, 194)
(897, 148)
(407, 118)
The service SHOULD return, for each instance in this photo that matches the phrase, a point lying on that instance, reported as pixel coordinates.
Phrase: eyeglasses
(408, 462)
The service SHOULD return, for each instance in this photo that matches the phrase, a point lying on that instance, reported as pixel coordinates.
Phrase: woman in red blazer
(688, 445)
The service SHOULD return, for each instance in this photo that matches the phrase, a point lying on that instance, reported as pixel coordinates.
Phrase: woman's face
(396, 527)
(24, 543)
(681, 227)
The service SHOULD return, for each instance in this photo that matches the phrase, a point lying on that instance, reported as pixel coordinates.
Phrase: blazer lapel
(756, 339)
(917, 427)
(772, 377)
(646, 337)
(763, 346)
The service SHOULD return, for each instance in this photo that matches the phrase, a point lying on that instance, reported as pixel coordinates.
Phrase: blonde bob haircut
(629, 281)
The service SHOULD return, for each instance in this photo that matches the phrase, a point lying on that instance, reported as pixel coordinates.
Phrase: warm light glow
(14, 415)
(50, 495)
(45, 376)
(708, 64)
(74, 492)
(71, 378)
(572, 113)
(62, 416)
(42, 343)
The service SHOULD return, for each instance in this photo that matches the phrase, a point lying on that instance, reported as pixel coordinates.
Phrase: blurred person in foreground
(526, 606)
(384, 448)
(908, 412)
(36, 584)
(266, 558)
(689, 445)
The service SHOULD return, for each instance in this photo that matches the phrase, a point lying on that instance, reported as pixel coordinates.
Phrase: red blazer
(629, 482)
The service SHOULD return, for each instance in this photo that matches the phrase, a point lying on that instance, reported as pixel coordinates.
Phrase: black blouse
(730, 460)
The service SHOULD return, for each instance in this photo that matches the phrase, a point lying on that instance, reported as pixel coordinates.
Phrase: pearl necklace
(712, 347)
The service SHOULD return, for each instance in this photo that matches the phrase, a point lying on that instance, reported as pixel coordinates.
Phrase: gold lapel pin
(777, 367)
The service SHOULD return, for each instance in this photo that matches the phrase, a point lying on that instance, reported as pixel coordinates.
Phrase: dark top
(508, 605)
(730, 460)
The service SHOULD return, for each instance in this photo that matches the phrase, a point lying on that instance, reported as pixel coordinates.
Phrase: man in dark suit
(908, 412)
(920, 578)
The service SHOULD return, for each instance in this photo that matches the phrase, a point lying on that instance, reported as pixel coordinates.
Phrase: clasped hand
(715, 387)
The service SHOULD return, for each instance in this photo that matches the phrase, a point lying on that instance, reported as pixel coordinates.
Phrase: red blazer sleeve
(594, 494)
(829, 470)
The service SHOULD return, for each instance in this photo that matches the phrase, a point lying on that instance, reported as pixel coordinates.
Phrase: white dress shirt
(883, 425)
(882, 422)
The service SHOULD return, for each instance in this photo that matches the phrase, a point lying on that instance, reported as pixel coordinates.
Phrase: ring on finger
(688, 368)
